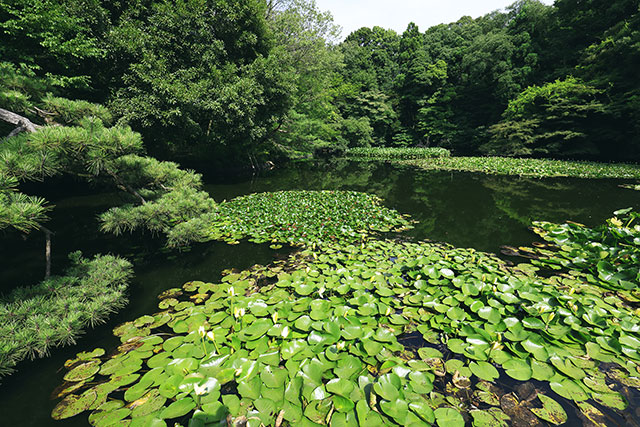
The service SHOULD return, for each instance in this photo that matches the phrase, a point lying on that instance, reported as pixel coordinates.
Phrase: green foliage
(19, 86)
(293, 217)
(53, 150)
(376, 108)
(302, 35)
(370, 58)
(21, 212)
(357, 132)
(538, 168)
(34, 320)
(397, 153)
(58, 39)
(556, 120)
(152, 178)
(160, 215)
(72, 112)
(608, 254)
(165, 194)
(326, 336)
(185, 85)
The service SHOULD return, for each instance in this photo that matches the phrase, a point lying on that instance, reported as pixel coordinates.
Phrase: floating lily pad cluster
(538, 168)
(378, 333)
(390, 153)
(294, 217)
(635, 187)
(607, 256)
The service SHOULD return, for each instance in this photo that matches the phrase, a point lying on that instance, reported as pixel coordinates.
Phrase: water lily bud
(211, 336)
(274, 317)
(285, 332)
(232, 291)
(388, 312)
(321, 291)
(201, 331)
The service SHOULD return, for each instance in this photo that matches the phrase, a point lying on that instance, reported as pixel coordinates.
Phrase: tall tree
(199, 76)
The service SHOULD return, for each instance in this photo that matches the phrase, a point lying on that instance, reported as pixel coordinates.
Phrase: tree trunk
(47, 251)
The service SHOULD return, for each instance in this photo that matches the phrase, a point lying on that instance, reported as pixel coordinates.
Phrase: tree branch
(23, 124)
(125, 187)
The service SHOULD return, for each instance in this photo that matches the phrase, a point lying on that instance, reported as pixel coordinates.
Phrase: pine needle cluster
(169, 196)
(53, 313)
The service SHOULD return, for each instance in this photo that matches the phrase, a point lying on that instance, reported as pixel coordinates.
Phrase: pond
(467, 210)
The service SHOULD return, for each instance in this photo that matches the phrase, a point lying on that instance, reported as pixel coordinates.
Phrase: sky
(396, 14)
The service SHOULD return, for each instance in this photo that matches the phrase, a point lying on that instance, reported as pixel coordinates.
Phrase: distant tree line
(228, 81)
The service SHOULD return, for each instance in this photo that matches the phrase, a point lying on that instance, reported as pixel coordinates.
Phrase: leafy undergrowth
(536, 168)
(328, 336)
(391, 153)
(33, 320)
(293, 217)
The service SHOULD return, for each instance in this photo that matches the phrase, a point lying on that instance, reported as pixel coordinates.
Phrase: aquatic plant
(607, 256)
(33, 320)
(293, 217)
(390, 153)
(380, 333)
(537, 168)
(635, 187)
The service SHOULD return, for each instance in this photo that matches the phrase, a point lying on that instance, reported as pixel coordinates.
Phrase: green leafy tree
(304, 38)
(557, 119)
(199, 77)
(58, 39)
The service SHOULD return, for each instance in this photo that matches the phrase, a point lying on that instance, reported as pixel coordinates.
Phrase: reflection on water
(468, 210)
(464, 209)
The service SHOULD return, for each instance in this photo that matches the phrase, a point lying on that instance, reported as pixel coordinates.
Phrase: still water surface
(464, 209)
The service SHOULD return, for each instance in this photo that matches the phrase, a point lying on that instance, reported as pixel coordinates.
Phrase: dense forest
(220, 81)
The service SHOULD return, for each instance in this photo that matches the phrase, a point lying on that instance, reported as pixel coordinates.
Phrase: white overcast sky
(396, 14)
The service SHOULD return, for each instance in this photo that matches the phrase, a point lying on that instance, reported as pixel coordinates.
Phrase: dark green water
(469, 210)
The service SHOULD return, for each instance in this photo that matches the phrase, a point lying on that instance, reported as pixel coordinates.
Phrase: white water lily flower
(388, 312)
(211, 336)
(200, 389)
(340, 345)
(321, 291)
(285, 332)
(238, 312)
(274, 317)
(232, 291)
(201, 331)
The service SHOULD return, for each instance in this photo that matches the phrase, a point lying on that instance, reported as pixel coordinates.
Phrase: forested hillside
(221, 81)
(534, 80)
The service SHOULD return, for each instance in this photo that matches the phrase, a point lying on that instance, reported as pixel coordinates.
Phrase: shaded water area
(466, 210)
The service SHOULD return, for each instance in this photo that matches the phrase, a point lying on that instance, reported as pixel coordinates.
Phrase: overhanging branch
(23, 124)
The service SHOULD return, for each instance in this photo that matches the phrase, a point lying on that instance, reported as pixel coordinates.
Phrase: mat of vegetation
(536, 168)
(293, 217)
(635, 187)
(607, 256)
(35, 319)
(397, 153)
(377, 333)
